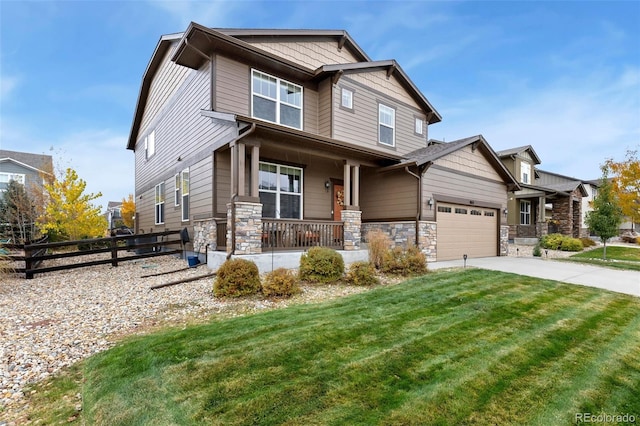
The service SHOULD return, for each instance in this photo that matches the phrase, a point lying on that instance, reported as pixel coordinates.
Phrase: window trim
(184, 198)
(150, 145)
(415, 126)
(342, 105)
(278, 192)
(159, 202)
(277, 100)
(522, 173)
(177, 196)
(526, 212)
(391, 109)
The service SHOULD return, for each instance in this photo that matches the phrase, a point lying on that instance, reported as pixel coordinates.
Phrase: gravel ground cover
(60, 318)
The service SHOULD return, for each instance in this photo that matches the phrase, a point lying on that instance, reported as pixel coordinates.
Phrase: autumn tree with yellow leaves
(625, 181)
(69, 213)
(128, 211)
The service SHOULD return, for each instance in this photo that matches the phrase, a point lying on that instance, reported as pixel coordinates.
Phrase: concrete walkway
(627, 282)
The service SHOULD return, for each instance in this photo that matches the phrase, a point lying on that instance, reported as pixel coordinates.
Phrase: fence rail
(282, 234)
(143, 245)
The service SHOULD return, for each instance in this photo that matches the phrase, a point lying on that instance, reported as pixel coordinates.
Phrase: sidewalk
(627, 282)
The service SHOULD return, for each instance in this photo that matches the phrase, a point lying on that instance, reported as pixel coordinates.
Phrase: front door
(338, 201)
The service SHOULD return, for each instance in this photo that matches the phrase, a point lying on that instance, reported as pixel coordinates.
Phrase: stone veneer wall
(403, 234)
(504, 240)
(352, 229)
(248, 227)
(567, 211)
(205, 232)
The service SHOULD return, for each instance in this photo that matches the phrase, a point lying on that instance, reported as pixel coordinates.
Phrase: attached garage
(466, 229)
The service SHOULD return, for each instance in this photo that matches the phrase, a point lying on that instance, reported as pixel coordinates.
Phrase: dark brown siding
(388, 195)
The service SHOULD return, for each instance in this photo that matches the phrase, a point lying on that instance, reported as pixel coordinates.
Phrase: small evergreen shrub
(399, 261)
(322, 265)
(587, 242)
(280, 282)
(379, 243)
(362, 273)
(536, 251)
(237, 277)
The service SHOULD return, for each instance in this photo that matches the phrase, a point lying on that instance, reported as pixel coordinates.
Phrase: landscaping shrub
(552, 241)
(399, 261)
(237, 277)
(280, 282)
(587, 242)
(362, 273)
(571, 244)
(536, 251)
(321, 264)
(561, 242)
(379, 243)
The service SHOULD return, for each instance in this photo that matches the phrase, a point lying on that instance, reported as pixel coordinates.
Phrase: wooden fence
(122, 248)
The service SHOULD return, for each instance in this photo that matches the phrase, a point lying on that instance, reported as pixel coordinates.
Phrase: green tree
(69, 213)
(128, 211)
(626, 184)
(18, 212)
(606, 217)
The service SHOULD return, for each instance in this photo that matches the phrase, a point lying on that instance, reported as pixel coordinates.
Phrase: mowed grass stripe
(450, 347)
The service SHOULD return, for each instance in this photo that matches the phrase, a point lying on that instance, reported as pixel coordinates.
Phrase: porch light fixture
(505, 211)
(430, 203)
(327, 185)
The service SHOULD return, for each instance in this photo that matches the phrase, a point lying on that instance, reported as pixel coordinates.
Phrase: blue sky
(563, 77)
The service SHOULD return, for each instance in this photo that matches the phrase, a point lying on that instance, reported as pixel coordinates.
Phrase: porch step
(525, 241)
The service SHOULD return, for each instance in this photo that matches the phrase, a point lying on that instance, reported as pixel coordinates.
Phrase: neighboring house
(31, 170)
(546, 203)
(113, 214)
(264, 140)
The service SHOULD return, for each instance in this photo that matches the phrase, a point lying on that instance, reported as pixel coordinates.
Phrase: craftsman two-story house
(266, 140)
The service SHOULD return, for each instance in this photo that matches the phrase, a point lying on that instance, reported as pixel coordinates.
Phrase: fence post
(114, 252)
(28, 263)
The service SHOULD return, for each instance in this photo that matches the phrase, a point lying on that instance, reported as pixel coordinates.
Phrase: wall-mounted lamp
(505, 211)
(430, 203)
(179, 158)
(327, 185)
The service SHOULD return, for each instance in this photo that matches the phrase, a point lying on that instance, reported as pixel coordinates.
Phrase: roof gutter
(234, 197)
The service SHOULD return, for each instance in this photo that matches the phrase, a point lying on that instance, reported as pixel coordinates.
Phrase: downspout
(234, 197)
(421, 170)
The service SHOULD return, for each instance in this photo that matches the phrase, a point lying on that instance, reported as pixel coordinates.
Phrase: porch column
(542, 228)
(347, 184)
(356, 185)
(255, 170)
(241, 169)
(351, 174)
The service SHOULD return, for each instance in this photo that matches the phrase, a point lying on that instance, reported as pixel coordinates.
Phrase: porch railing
(287, 234)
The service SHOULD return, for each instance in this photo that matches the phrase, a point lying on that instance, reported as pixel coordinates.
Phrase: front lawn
(460, 347)
(620, 257)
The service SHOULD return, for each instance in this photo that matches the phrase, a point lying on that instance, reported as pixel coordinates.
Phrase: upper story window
(8, 177)
(276, 100)
(150, 144)
(419, 126)
(386, 125)
(525, 172)
(346, 98)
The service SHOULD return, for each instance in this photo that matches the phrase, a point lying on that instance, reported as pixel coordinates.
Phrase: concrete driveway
(627, 282)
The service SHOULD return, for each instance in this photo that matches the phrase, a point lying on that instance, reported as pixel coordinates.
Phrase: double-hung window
(276, 100)
(386, 125)
(525, 172)
(185, 194)
(346, 98)
(150, 144)
(159, 204)
(176, 198)
(280, 189)
(525, 212)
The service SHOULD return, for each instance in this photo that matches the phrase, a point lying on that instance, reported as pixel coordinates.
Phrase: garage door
(466, 230)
